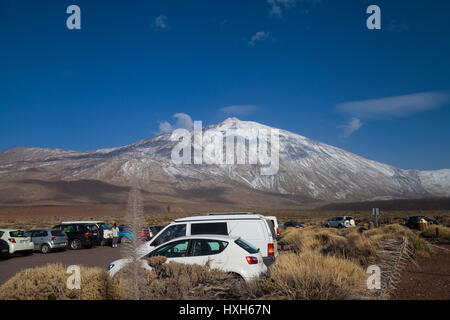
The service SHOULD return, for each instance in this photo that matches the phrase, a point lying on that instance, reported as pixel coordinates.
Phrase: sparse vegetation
(323, 264)
(49, 283)
(430, 233)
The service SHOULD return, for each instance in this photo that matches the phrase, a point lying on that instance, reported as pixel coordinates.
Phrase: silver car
(46, 240)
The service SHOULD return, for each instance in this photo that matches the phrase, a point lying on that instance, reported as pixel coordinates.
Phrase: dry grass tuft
(311, 276)
(174, 281)
(444, 233)
(49, 283)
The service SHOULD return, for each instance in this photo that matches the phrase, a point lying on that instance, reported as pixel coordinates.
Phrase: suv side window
(209, 228)
(175, 231)
(204, 247)
(68, 228)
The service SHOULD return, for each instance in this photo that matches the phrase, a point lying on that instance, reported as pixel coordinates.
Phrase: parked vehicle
(17, 240)
(340, 222)
(107, 230)
(146, 233)
(80, 235)
(125, 233)
(46, 240)
(230, 254)
(249, 227)
(293, 224)
(413, 221)
(274, 223)
(4, 248)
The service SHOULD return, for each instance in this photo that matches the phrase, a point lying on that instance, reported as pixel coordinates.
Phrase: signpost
(376, 213)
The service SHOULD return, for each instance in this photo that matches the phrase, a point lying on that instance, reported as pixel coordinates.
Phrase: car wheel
(45, 248)
(340, 226)
(236, 276)
(75, 244)
(327, 225)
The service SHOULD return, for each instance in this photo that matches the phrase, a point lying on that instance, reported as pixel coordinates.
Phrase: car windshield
(105, 226)
(175, 231)
(246, 246)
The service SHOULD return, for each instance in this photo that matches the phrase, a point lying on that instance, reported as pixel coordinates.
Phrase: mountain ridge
(309, 170)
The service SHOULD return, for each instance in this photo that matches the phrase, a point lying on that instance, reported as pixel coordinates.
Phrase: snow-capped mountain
(308, 170)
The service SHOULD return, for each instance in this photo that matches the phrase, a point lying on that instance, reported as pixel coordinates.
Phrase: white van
(249, 227)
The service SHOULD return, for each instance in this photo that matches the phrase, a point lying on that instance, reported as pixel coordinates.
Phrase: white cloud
(183, 120)
(160, 22)
(398, 106)
(239, 109)
(259, 36)
(277, 4)
(353, 125)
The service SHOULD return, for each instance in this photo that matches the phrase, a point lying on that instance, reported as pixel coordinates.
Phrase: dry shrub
(49, 283)
(167, 281)
(346, 243)
(430, 232)
(311, 276)
(419, 246)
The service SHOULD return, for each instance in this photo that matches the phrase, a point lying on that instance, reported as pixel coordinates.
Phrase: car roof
(46, 229)
(243, 216)
(70, 222)
(205, 236)
(4, 230)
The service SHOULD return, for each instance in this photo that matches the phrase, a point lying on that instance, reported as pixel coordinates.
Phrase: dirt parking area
(94, 257)
(429, 281)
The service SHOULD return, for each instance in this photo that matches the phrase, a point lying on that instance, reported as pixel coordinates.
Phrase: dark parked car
(4, 249)
(413, 222)
(294, 224)
(80, 235)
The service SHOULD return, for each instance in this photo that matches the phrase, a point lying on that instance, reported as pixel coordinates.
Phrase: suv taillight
(278, 231)
(251, 260)
(270, 250)
(12, 240)
(88, 234)
(53, 238)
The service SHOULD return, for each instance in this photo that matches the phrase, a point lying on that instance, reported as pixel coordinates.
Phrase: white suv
(340, 222)
(230, 254)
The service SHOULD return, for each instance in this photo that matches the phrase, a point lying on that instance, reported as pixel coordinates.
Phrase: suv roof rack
(227, 213)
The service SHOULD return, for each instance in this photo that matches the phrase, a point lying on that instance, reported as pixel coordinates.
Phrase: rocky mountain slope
(309, 171)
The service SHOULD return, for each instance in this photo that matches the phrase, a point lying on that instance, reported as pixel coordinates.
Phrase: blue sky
(308, 66)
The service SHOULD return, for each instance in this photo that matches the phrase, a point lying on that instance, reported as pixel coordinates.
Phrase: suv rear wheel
(75, 244)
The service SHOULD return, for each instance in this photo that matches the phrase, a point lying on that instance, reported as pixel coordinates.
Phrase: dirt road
(431, 281)
(94, 257)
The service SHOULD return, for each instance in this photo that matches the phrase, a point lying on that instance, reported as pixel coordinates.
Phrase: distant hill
(396, 204)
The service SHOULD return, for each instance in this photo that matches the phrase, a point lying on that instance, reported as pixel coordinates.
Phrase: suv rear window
(209, 228)
(58, 233)
(246, 246)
